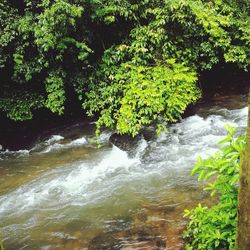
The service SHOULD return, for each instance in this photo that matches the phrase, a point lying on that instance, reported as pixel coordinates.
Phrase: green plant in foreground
(215, 227)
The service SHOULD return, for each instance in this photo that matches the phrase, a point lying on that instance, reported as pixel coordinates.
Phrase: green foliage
(55, 90)
(8, 17)
(139, 95)
(111, 10)
(195, 33)
(54, 24)
(20, 107)
(102, 49)
(35, 46)
(215, 227)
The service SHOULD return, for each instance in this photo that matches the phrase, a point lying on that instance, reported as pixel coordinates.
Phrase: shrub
(215, 227)
(136, 96)
(50, 49)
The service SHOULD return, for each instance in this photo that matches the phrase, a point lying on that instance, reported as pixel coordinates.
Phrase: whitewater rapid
(106, 174)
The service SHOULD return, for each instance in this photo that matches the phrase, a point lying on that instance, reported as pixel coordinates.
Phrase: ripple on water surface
(65, 193)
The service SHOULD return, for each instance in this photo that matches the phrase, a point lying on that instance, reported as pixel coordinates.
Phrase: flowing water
(66, 193)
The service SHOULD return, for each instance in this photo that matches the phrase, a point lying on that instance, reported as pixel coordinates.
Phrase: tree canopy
(131, 63)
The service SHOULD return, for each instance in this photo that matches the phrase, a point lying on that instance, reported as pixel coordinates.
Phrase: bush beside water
(215, 227)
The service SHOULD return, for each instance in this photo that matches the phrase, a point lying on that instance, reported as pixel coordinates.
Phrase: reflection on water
(66, 193)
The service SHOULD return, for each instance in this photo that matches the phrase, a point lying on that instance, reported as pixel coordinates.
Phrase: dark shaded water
(65, 193)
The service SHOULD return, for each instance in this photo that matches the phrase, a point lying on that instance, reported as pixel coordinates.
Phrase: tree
(243, 233)
(50, 49)
(196, 34)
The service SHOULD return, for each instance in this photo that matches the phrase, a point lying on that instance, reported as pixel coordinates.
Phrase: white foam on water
(55, 146)
(75, 182)
(97, 179)
(192, 137)
(142, 145)
(79, 141)
(48, 145)
(104, 136)
(53, 139)
(16, 154)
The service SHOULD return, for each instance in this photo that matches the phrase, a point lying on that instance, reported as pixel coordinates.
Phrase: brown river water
(64, 192)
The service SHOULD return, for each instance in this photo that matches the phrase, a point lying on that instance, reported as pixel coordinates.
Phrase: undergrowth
(215, 227)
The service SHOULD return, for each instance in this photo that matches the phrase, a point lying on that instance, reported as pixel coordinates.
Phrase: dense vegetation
(131, 63)
(215, 227)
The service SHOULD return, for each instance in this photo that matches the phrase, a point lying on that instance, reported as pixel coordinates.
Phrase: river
(64, 192)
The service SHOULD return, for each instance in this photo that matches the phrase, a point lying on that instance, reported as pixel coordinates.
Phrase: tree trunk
(243, 233)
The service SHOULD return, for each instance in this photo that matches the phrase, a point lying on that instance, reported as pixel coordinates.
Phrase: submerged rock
(105, 241)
